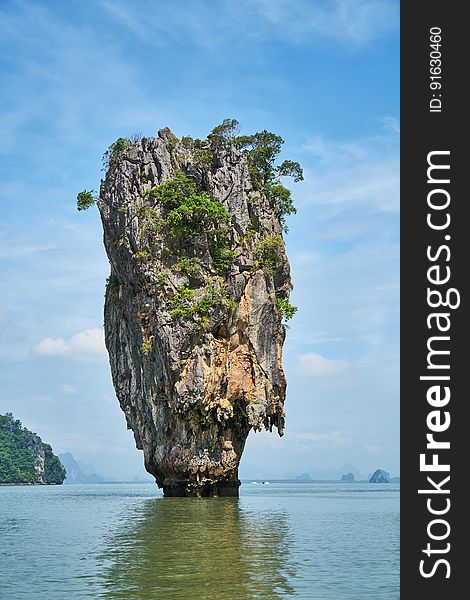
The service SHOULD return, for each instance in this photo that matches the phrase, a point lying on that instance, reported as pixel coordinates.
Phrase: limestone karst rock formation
(194, 304)
(25, 458)
(380, 476)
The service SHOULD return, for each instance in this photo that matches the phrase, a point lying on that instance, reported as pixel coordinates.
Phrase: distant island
(303, 477)
(380, 476)
(75, 473)
(345, 474)
(25, 458)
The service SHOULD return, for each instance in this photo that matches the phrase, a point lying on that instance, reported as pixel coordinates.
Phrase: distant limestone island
(345, 474)
(381, 476)
(75, 473)
(25, 458)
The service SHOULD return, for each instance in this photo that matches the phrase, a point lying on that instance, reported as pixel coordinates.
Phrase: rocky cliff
(194, 304)
(380, 476)
(24, 458)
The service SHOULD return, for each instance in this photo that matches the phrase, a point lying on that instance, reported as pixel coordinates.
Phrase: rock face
(192, 323)
(24, 457)
(380, 476)
(349, 477)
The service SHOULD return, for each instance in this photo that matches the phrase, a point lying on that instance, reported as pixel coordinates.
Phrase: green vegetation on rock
(112, 154)
(187, 265)
(225, 133)
(262, 150)
(285, 308)
(147, 345)
(142, 254)
(23, 456)
(16, 458)
(269, 252)
(196, 215)
(222, 256)
(192, 217)
(85, 199)
(180, 220)
(54, 472)
(189, 303)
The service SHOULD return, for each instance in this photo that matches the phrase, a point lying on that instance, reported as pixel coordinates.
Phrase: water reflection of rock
(207, 549)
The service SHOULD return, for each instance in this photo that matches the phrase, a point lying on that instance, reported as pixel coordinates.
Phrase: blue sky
(325, 76)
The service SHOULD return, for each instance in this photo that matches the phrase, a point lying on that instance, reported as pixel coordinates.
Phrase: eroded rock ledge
(193, 309)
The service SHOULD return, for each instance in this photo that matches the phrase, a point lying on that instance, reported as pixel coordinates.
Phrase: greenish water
(311, 541)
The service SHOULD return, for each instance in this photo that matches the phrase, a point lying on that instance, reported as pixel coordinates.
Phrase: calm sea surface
(300, 540)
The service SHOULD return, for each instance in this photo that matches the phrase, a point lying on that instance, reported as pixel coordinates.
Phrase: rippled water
(311, 541)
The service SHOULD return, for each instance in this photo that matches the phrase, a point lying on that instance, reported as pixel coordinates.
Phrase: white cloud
(337, 438)
(308, 336)
(87, 345)
(355, 22)
(58, 63)
(20, 250)
(51, 347)
(391, 124)
(317, 366)
(67, 389)
(354, 173)
(348, 23)
(266, 439)
(132, 19)
(156, 23)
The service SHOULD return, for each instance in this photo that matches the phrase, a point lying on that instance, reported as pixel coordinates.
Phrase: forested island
(24, 457)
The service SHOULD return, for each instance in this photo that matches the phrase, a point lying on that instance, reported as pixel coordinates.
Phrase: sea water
(282, 540)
